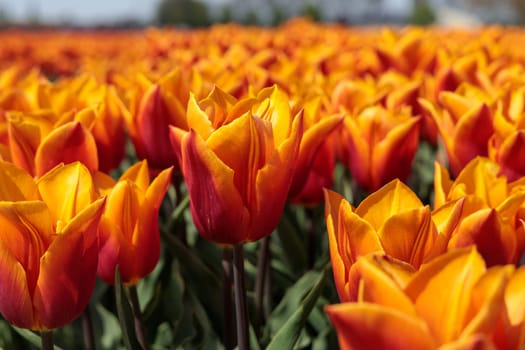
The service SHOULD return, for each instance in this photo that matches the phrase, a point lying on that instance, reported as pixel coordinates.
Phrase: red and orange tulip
(379, 146)
(392, 220)
(453, 302)
(49, 247)
(238, 160)
(465, 125)
(129, 228)
(153, 110)
(492, 214)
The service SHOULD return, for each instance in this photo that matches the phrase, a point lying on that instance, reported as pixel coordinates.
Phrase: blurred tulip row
(199, 188)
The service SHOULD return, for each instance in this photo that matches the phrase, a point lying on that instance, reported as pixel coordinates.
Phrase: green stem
(260, 279)
(137, 316)
(87, 330)
(229, 337)
(240, 297)
(310, 234)
(47, 340)
(120, 300)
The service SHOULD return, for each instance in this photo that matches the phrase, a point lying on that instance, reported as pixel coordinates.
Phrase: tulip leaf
(32, 337)
(291, 243)
(177, 214)
(290, 331)
(109, 327)
(200, 277)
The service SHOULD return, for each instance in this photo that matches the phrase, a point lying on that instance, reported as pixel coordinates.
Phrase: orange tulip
(48, 271)
(316, 160)
(160, 105)
(465, 125)
(238, 160)
(37, 146)
(129, 229)
(492, 215)
(392, 220)
(453, 302)
(379, 146)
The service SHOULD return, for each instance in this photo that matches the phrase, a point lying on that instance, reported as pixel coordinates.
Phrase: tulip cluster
(445, 276)
(96, 126)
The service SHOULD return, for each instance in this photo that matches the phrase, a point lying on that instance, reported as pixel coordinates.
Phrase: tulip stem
(229, 340)
(137, 316)
(240, 297)
(47, 340)
(87, 329)
(262, 269)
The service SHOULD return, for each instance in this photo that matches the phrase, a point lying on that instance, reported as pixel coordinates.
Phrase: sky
(80, 11)
(86, 12)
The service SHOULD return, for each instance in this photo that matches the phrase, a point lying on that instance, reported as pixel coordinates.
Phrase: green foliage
(312, 11)
(192, 13)
(422, 13)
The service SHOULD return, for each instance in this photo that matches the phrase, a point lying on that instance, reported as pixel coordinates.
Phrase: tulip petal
(474, 342)
(17, 184)
(473, 131)
(146, 241)
(441, 291)
(368, 326)
(392, 157)
(409, 236)
(66, 144)
(273, 183)
(511, 157)
(380, 279)
(138, 174)
(391, 199)
(494, 238)
(487, 300)
(216, 205)
(15, 299)
(64, 285)
(67, 189)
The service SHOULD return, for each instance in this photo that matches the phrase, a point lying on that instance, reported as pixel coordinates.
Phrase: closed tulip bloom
(316, 160)
(379, 146)
(47, 271)
(453, 302)
(465, 125)
(492, 214)
(238, 163)
(37, 146)
(129, 229)
(158, 106)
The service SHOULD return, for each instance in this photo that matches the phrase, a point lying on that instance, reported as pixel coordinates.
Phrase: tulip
(316, 160)
(453, 302)
(464, 126)
(492, 214)
(509, 136)
(129, 229)
(160, 105)
(392, 220)
(238, 163)
(37, 146)
(379, 146)
(48, 271)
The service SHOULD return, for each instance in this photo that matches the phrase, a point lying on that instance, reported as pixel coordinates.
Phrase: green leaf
(32, 337)
(290, 331)
(107, 326)
(204, 281)
(291, 242)
(123, 311)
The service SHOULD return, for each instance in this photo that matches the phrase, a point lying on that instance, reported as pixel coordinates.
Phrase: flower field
(307, 186)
